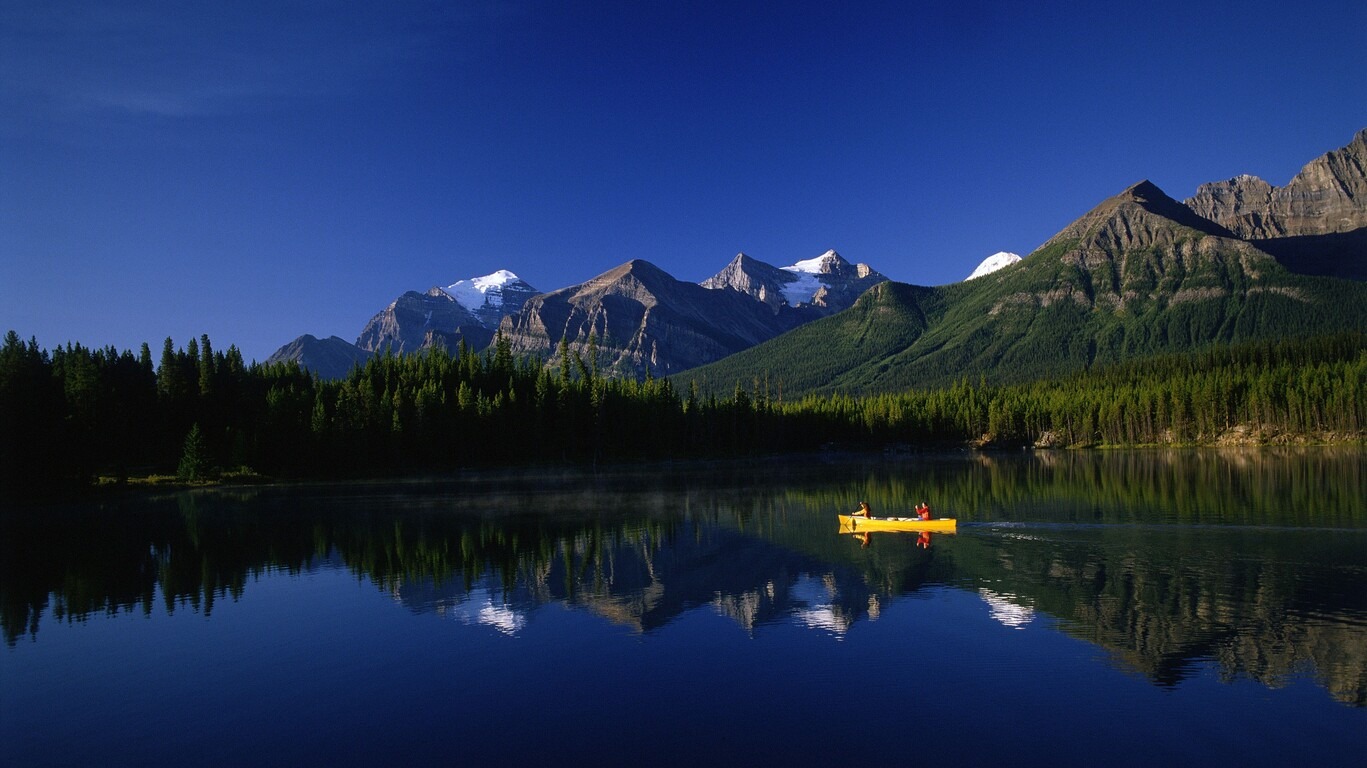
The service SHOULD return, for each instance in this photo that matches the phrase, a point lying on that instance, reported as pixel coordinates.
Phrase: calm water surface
(1098, 608)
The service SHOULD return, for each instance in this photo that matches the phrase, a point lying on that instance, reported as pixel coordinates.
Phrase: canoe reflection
(866, 537)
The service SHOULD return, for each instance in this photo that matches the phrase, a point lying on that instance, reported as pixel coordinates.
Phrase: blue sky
(259, 170)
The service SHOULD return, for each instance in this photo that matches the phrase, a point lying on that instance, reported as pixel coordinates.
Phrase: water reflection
(644, 578)
(1263, 603)
(1165, 560)
(1014, 611)
(484, 604)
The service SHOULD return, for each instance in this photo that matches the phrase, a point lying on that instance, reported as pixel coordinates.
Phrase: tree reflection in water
(1166, 559)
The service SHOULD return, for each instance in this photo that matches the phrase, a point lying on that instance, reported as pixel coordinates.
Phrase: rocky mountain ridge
(1328, 196)
(330, 358)
(636, 318)
(1150, 268)
(1315, 225)
(1139, 274)
(640, 319)
(828, 282)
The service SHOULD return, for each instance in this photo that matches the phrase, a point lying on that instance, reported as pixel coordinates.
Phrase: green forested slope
(1139, 275)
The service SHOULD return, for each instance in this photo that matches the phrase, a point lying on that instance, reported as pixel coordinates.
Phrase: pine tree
(194, 460)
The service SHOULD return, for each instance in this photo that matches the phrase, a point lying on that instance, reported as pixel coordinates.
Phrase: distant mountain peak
(466, 310)
(487, 291)
(827, 263)
(1138, 216)
(1145, 191)
(827, 282)
(330, 358)
(1327, 197)
(992, 263)
(644, 319)
(640, 269)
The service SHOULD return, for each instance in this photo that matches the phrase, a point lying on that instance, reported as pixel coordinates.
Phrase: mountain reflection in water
(646, 578)
(1254, 561)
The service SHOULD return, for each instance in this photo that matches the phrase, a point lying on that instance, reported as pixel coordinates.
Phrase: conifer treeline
(75, 412)
(1305, 387)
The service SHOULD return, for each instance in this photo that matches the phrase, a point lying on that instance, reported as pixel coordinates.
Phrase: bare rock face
(492, 297)
(822, 285)
(330, 358)
(403, 326)
(641, 319)
(1142, 249)
(1328, 196)
(753, 278)
(1141, 216)
(468, 310)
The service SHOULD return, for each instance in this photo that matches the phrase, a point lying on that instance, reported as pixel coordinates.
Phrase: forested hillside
(1137, 276)
(74, 413)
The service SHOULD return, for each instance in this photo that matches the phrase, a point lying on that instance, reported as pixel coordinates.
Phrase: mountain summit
(468, 310)
(827, 283)
(1139, 274)
(330, 358)
(998, 260)
(637, 319)
(492, 297)
(1316, 224)
(1329, 195)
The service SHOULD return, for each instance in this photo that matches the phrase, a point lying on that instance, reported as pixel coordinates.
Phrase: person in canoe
(863, 510)
(923, 511)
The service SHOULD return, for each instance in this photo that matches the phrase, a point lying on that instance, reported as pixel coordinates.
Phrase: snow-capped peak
(478, 291)
(815, 266)
(808, 274)
(993, 263)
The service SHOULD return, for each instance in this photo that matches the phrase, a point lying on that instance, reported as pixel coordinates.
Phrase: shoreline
(105, 487)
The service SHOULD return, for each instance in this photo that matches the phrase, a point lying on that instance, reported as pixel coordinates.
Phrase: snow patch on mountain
(479, 291)
(993, 263)
(814, 266)
(802, 289)
(808, 280)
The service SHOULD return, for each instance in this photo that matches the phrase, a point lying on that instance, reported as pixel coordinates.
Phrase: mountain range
(1313, 225)
(638, 319)
(635, 318)
(1139, 274)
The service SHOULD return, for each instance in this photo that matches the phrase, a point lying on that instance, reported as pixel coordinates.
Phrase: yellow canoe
(853, 523)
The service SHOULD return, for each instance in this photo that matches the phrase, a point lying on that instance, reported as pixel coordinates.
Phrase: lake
(1094, 608)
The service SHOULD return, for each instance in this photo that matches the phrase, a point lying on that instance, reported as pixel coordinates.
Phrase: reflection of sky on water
(1007, 608)
(813, 602)
(481, 606)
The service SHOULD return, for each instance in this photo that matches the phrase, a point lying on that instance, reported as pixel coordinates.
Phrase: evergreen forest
(73, 414)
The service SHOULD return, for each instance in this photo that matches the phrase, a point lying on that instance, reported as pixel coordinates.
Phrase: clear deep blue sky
(258, 170)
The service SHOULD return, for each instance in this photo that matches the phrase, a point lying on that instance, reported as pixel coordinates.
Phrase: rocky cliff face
(468, 310)
(330, 358)
(753, 278)
(824, 285)
(1316, 224)
(1328, 196)
(642, 319)
(1142, 248)
(1139, 274)
(492, 297)
(404, 325)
